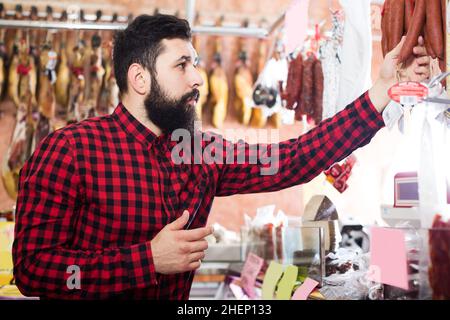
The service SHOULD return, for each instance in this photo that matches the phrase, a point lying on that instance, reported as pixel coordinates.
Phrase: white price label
(408, 100)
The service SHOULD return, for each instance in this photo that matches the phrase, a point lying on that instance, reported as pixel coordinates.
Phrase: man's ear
(138, 79)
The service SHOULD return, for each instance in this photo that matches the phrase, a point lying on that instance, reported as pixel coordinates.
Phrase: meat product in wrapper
(272, 239)
(265, 234)
(438, 273)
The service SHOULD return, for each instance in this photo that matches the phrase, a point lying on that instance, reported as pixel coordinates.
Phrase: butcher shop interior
(357, 208)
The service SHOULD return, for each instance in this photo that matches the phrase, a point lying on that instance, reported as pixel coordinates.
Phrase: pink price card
(305, 289)
(388, 262)
(252, 266)
(296, 24)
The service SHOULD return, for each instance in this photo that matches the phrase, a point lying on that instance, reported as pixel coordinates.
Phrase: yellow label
(270, 281)
(287, 283)
(6, 241)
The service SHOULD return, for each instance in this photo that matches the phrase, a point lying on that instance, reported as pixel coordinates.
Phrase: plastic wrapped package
(263, 235)
(349, 278)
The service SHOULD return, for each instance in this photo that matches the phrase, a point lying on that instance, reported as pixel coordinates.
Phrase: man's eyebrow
(184, 58)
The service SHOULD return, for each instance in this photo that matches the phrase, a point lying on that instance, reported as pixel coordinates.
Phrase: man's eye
(182, 65)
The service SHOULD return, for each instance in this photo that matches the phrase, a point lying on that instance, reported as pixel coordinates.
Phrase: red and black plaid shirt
(94, 193)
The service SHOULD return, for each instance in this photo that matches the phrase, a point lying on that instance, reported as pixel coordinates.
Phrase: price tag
(273, 274)
(408, 93)
(287, 283)
(252, 266)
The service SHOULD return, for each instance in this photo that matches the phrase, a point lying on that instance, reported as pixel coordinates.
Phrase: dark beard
(169, 114)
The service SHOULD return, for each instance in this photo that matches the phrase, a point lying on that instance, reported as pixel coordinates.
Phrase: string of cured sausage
(414, 18)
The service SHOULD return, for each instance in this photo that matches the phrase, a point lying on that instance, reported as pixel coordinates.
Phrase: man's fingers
(421, 41)
(194, 265)
(423, 60)
(420, 51)
(196, 256)
(196, 234)
(200, 245)
(421, 70)
(179, 223)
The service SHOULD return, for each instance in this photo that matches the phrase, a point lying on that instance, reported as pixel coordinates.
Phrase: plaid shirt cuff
(369, 116)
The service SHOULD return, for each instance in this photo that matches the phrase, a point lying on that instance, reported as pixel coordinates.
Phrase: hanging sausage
(306, 107)
(292, 94)
(414, 18)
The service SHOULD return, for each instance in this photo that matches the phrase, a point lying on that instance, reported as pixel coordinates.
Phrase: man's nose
(197, 80)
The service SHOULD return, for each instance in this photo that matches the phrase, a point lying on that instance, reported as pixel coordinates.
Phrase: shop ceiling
(232, 25)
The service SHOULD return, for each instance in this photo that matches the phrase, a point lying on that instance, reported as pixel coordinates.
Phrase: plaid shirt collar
(133, 126)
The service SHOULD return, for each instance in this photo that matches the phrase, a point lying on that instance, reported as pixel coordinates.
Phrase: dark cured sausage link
(318, 91)
(300, 80)
(434, 27)
(444, 18)
(307, 105)
(409, 11)
(417, 24)
(388, 23)
(428, 47)
(384, 33)
(294, 82)
(397, 21)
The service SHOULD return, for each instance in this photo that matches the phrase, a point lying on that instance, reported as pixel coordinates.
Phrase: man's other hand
(176, 250)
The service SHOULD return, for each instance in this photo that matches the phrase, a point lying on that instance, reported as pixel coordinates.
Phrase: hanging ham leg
(62, 80)
(63, 74)
(46, 99)
(77, 84)
(258, 119)
(219, 94)
(3, 55)
(243, 82)
(96, 72)
(20, 148)
(109, 96)
(204, 90)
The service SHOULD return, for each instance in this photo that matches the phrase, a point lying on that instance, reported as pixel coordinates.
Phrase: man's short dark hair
(141, 43)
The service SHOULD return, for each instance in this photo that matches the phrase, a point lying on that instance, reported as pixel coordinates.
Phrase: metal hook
(435, 80)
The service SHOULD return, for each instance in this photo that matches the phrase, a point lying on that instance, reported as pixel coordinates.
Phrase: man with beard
(103, 212)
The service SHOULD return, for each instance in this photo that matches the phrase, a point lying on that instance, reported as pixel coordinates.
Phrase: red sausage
(397, 21)
(418, 21)
(384, 33)
(434, 27)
